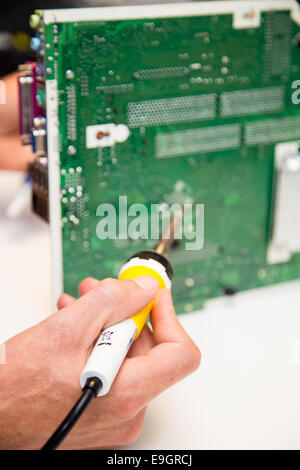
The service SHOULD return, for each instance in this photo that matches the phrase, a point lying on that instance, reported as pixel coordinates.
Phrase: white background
(246, 393)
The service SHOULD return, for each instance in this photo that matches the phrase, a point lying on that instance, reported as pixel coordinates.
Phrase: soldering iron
(115, 341)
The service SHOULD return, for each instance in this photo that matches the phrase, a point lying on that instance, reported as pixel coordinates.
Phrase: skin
(40, 380)
(13, 155)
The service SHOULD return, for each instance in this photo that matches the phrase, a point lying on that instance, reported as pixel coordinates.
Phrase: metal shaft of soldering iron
(168, 236)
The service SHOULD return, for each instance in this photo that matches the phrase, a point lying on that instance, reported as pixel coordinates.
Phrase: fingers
(109, 302)
(87, 284)
(171, 360)
(165, 323)
(65, 300)
(143, 344)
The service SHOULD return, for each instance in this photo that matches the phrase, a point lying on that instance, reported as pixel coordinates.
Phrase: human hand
(13, 155)
(40, 382)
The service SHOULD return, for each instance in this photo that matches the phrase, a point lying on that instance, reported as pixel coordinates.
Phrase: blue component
(35, 44)
(40, 68)
(32, 141)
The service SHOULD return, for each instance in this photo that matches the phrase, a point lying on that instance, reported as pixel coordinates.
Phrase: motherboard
(201, 95)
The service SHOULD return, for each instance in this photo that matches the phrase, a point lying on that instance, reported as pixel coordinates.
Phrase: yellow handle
(137, 271)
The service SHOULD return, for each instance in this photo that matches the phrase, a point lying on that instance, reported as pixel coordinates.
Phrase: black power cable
(89, 391)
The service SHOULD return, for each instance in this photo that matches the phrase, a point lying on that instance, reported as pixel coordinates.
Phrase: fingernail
(146, 282)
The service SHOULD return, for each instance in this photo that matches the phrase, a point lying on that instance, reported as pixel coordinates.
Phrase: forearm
(10, 415)
(9, 111)
(14, 155)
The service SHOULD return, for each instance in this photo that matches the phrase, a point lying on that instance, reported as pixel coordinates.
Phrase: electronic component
(39, 135)
(33, 126)
(26, 94)
(285, 228)
(38, 175)
(106, 135)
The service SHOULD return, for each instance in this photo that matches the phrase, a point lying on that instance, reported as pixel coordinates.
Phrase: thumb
(108, 303)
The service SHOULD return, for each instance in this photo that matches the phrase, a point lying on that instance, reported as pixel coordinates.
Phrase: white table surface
(246, 393)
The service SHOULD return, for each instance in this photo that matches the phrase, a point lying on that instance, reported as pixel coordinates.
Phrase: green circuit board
(205, 105)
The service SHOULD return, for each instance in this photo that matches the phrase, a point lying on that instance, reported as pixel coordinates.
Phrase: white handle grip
(109, 353)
